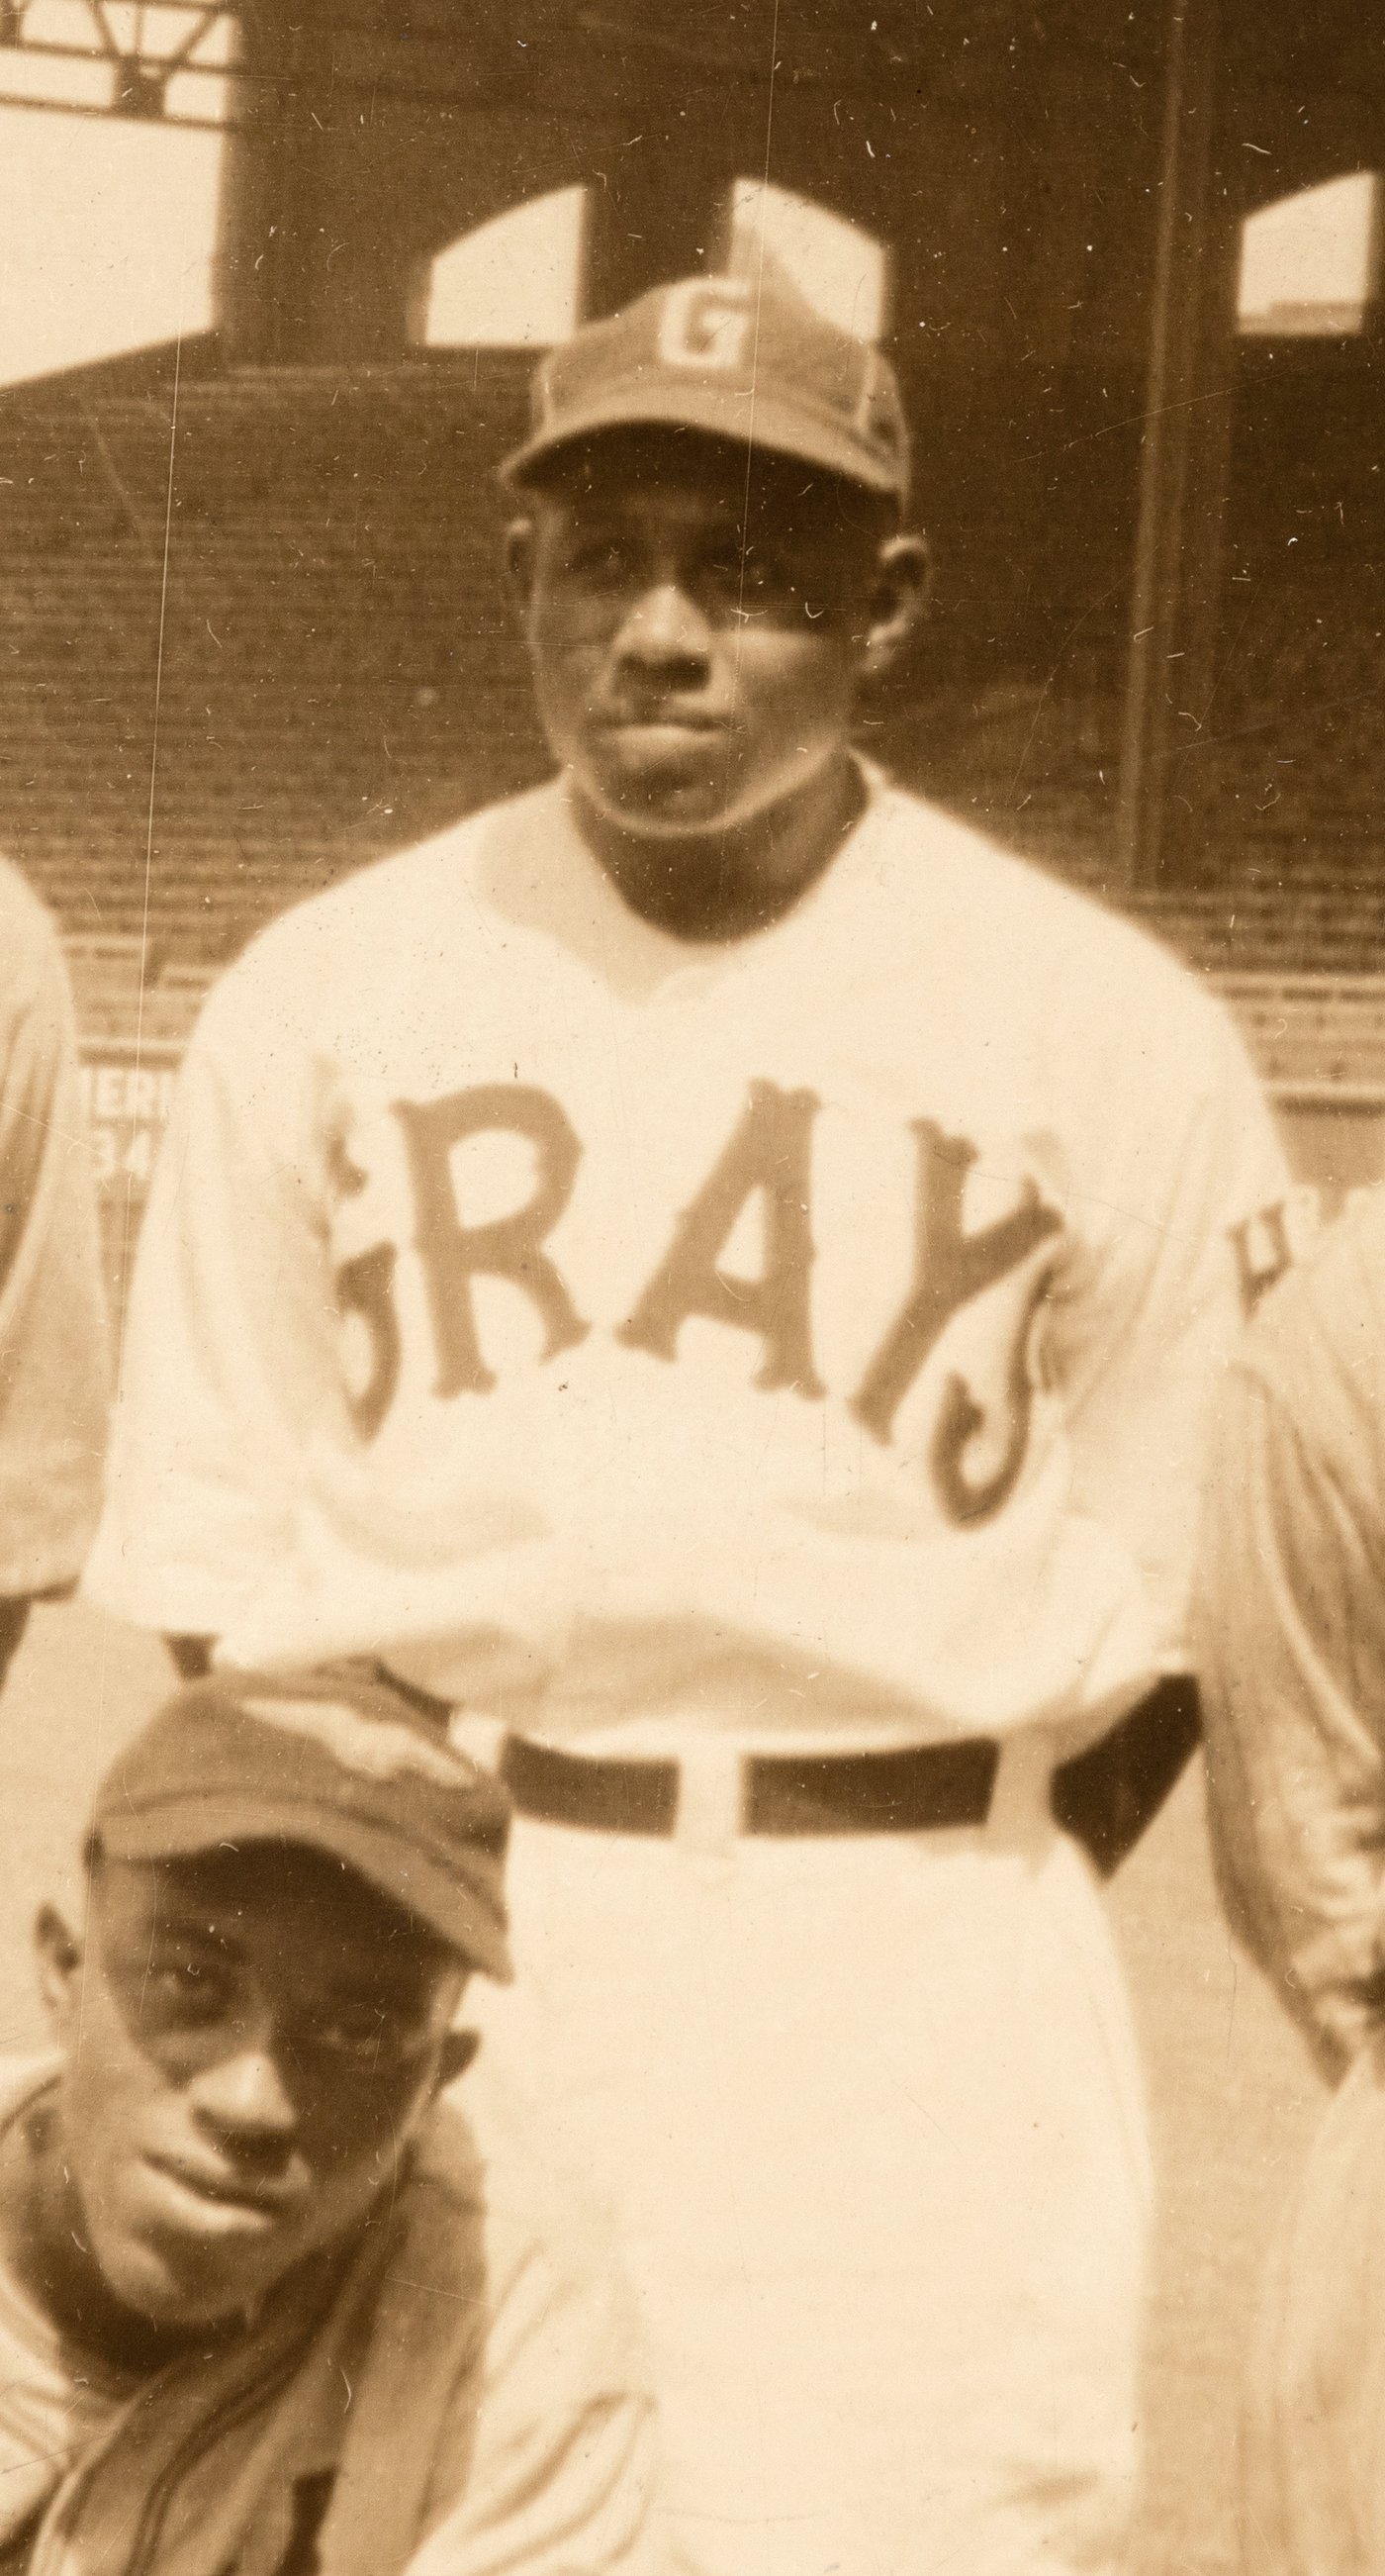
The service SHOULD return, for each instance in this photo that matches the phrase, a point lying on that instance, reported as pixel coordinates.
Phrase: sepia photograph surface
(693, 1535)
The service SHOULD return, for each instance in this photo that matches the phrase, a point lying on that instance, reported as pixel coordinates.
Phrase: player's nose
(664, 630)
(243, 2096)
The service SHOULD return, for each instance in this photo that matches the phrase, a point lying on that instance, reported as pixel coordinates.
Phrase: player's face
(250, 2040)
(697, 637)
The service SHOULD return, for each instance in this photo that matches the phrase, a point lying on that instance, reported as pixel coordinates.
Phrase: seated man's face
(250, 2040)
(696, 632)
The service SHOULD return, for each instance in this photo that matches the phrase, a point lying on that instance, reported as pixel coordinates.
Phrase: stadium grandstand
(271, 286)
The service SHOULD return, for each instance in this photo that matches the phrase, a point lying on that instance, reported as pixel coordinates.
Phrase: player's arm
(556, 2470)
(228, 1361)
(54, 1359)
(1291, 1622)
(1184, 1212)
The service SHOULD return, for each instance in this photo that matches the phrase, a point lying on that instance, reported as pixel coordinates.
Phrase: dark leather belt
(1105, 1797)
(928, 1787)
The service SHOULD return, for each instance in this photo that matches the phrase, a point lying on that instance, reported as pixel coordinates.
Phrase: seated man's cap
(339, 1759)
(735, 359)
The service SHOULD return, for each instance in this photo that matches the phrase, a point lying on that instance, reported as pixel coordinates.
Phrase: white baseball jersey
(1293, 1638)
(807, 1334)
(54, 1356)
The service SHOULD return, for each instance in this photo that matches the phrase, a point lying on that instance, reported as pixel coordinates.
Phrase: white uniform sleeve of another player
(228, 1359)
(551, 2467)
(1184, 1201)
(54, 1357)
(1291, 1630)
(561, 2460)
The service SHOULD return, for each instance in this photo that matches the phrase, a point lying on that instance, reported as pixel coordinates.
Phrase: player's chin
(650, 799)
(674, 818)
(185, 2275)
(658, 767)
(179, 2288)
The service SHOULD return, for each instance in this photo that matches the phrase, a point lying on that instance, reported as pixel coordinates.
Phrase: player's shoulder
(488, 2174)
(29, 941)
(388, 899)
(1317, 1340)
(20, 904)
(1045, 945)
(365, 931)
(483, 2149)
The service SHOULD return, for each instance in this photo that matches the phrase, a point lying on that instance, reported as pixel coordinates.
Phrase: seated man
(268, 2307)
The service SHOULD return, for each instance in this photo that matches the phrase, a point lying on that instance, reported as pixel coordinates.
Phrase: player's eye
(601, 563)
(765, 570)
(178, 1992)
(723, 569)
(361, 2034)
(752, 579)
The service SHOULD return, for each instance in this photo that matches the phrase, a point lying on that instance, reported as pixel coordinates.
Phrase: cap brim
(434, 1892)
(735, 416)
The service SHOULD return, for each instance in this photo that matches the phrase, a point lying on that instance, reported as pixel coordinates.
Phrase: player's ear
(898, 603)
(59, 1955)
(519, 563)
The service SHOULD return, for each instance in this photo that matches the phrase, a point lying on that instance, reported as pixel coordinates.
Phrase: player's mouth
(665, 734)
(659, 715)
(217, 2202)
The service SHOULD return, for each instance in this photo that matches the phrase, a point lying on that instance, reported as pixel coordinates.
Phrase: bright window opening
(145, 61)
(840, 269)
(87, 270)
(1309, 265)
(514, 283)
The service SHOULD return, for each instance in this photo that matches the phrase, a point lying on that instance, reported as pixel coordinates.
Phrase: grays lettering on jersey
(575, 1226)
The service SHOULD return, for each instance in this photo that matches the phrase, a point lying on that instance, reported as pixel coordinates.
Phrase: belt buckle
(710, 1814)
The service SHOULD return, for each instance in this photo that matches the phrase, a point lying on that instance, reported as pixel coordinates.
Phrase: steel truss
(180, 62)
(154, 65)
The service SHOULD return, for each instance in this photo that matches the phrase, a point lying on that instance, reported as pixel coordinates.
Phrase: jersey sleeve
(1187, 1213)
(561, 2473)
(53, 1333)
(1291, 1628)
(549, 2458)
(228, 1360)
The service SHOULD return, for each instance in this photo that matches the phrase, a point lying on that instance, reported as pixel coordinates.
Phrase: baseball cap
(339, 1759)
(736, 358)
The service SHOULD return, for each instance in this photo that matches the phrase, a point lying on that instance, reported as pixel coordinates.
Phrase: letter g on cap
(706, 323)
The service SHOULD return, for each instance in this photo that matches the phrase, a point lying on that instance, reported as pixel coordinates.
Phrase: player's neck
(720, 886)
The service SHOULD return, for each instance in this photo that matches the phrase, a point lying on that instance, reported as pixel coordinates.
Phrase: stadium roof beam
(437, 53)
(69, 55)
(1185, 451)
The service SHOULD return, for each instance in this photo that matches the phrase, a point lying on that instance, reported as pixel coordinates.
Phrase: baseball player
(1292, 1633)
(53, 1349)
(715, 1270)
(267, 2304)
